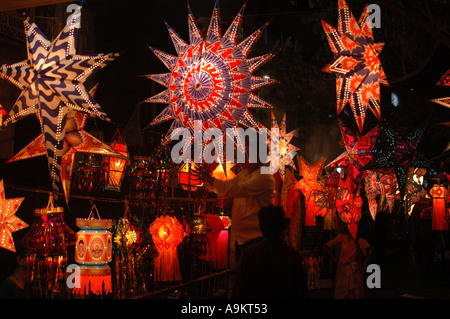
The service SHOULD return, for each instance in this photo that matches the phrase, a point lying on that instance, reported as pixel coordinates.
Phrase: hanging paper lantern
(132, 250)
(356, 64)
(309, 185)
(210, 79)
(116, 165)
(216, 225)
(283, 150)
(167, 234)
(438, 192)
(47, 241)
(3, 113)
(139, 177)
(393, 150)
(444, 81)
(89, 176)
(9, 222)
(186, 179)
(222, 243)
(52, 83)
(93, 250)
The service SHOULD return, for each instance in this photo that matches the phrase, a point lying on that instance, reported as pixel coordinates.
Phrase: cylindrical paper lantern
(93, 250)
(439, 219)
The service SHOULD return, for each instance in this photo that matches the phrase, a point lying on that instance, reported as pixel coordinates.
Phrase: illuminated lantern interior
(167, 234)
(93, 250)
(439, 219)
(116, 165)
(186, 179)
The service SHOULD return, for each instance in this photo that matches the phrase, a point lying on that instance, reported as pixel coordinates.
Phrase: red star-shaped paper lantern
(9, 222)
(309, 185)
(358, 151)
(356, 64)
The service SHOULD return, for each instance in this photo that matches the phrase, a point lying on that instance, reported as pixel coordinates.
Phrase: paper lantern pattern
(93, 250)
(210, 79)
(439, 218)
(444, 81)
(51, 80)
(117, 165)
(356, 64)
(9, 222)
(358, 151)
(309, 185)
(76, 140)
(400, 153)
(282, 151)
(47, 241)
(167, 233)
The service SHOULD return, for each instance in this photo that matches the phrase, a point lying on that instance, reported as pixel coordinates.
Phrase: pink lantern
(439, 215)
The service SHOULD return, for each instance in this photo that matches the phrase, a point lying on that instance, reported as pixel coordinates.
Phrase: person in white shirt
(250, 190)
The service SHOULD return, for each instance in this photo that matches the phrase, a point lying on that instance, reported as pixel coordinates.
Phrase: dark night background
(415, 56)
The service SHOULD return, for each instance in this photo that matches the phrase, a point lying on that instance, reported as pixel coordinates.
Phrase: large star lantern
(400, 153)
(282, 150)
(358, 151)
(75, 140)
(51, 80)
(9, 222)
(210, 79)
(356, 64)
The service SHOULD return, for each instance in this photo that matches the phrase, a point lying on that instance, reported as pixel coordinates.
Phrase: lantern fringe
(222, 250)
(439, 218)
(97, 284)
(310, 218)
(167, 267)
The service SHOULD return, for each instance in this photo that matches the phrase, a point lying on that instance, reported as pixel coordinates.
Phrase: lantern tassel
(310, 218)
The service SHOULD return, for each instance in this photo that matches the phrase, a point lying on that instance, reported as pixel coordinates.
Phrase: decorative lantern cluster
(93, 251)
(47, 241)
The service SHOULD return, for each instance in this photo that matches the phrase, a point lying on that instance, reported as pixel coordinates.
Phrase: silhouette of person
(14, 286)
(351, 258)
(269, 269)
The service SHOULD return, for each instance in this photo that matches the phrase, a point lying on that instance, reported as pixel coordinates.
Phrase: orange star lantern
(9, 222)
(309, 185)
(167, 234)
(439, 216)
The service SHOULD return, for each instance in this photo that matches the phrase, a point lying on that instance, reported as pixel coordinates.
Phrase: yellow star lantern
(9, 222)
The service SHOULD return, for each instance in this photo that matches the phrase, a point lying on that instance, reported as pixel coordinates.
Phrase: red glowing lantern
(47, 241)
(116, 165)
(186, 179)
(167, 234)
(439, 219)
(2, 114)
(93, 250)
